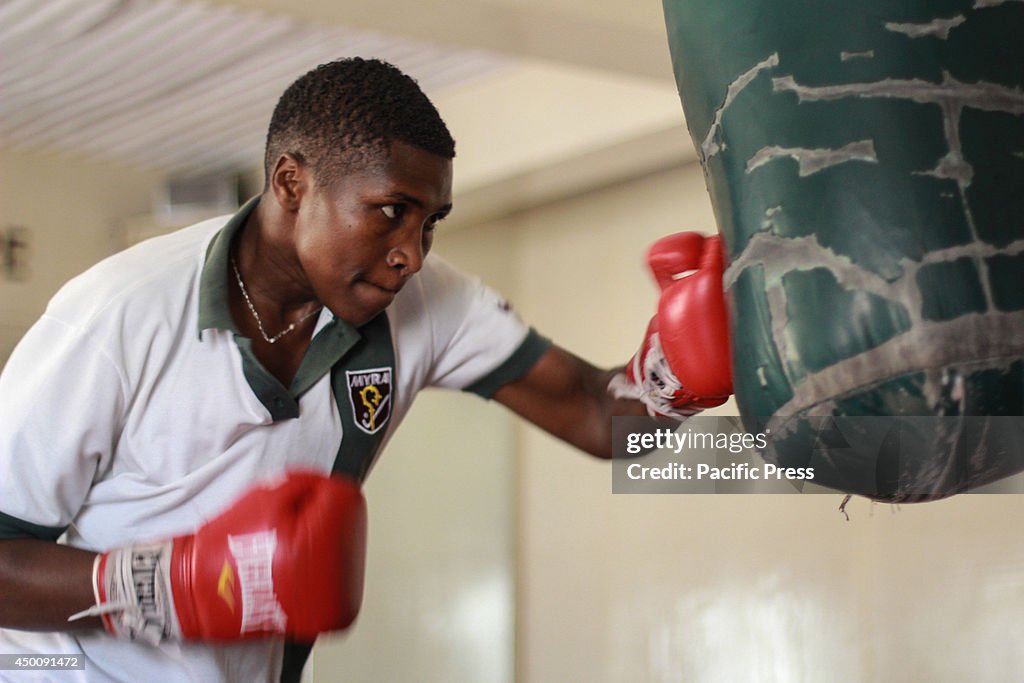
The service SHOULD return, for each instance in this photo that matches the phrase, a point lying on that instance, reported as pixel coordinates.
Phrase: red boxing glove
(683, 365)
(283, 559)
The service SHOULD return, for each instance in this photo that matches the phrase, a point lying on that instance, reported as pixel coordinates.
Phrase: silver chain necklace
(259, 323)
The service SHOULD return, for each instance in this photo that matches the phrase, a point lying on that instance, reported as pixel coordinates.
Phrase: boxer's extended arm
(569, 398)
(683, 365)
(43, 583)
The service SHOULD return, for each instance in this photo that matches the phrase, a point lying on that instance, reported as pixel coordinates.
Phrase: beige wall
(440, 583)
(73, 209)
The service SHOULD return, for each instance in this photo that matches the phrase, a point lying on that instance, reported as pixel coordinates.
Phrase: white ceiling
(543, 96)
(175, 85)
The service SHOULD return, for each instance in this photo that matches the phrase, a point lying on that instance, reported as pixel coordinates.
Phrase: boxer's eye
(392, 210)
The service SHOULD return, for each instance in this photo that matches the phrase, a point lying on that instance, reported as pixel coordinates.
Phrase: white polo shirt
(132, 411)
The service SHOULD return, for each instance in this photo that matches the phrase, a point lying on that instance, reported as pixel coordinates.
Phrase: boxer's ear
(290, 181)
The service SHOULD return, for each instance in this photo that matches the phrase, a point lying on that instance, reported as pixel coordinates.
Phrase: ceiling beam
(524, 29)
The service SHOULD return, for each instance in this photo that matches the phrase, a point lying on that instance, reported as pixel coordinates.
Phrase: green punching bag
(865, 161)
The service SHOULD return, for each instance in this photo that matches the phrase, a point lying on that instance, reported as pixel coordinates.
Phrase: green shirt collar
(213, 282)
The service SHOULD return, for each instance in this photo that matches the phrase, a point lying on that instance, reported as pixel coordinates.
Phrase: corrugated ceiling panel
(182, 86)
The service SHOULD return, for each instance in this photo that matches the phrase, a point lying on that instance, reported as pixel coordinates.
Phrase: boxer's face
(361, 239)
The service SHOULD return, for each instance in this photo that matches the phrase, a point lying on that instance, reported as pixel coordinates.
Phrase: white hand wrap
(650, 380)
(133, 593)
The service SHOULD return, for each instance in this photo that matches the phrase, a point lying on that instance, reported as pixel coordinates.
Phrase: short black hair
(345, 114)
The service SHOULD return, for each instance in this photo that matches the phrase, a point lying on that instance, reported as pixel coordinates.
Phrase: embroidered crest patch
(370, 394)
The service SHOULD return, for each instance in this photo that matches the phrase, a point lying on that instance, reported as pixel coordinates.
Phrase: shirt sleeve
(60, 401)
(480, 343)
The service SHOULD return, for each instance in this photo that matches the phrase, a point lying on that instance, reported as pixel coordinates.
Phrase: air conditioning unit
(182, 201)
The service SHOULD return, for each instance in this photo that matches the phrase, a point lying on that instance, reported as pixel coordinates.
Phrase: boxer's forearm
(43, 583)
(569, 398)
